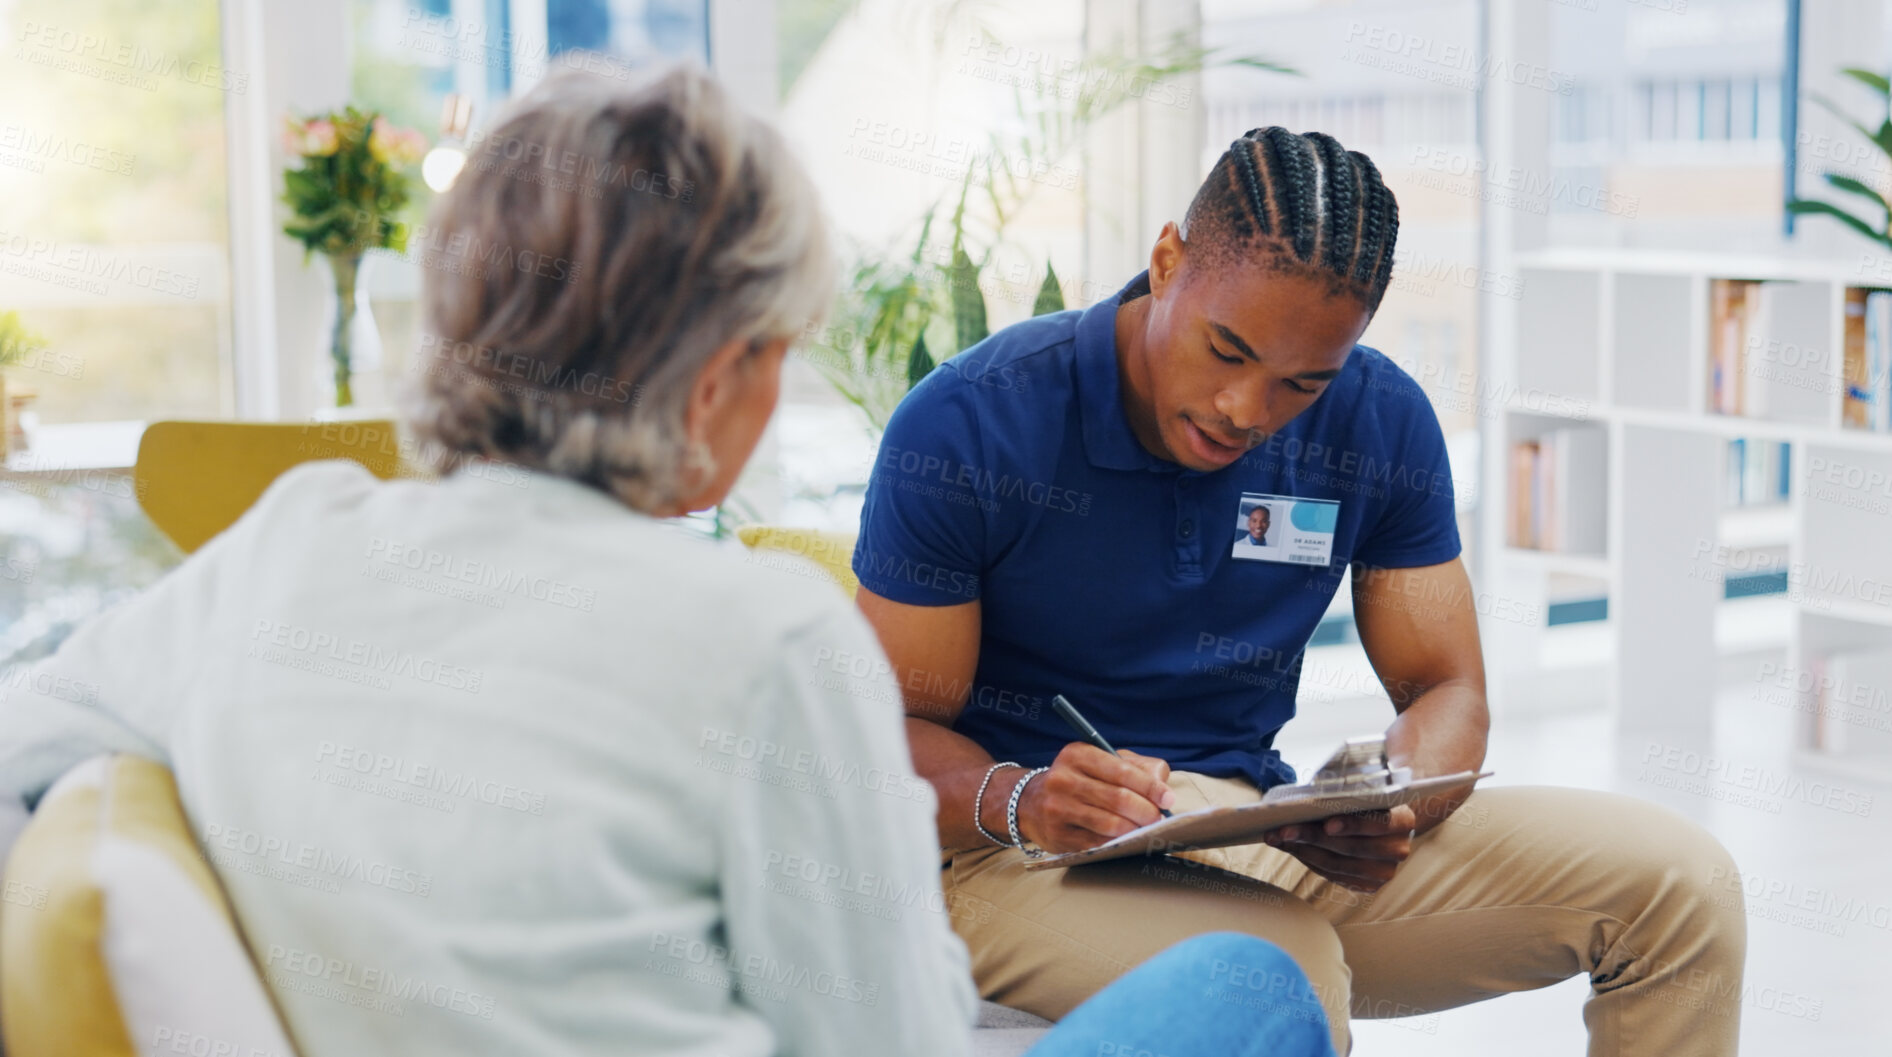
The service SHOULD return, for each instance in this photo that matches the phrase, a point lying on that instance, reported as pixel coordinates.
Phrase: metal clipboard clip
(1358, 766)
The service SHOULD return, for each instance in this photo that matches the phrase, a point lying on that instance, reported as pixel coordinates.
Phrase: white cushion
(126, 945)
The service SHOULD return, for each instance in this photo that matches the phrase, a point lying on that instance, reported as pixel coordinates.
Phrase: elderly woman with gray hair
(619, 790)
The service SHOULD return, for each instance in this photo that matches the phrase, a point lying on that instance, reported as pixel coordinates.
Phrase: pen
(1085, 731)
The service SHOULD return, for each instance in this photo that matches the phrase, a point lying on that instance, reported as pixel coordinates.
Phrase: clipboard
(1356, 778)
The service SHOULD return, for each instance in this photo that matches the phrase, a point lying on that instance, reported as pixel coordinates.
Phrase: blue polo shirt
(1011, 476)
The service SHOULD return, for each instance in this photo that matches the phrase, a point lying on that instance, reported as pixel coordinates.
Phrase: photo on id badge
(1284, 528)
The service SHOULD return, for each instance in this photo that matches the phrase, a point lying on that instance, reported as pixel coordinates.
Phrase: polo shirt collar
(1109, 442)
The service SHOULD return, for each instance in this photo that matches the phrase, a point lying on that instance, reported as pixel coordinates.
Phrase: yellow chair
(194, 479)
(831, 552)
(115, 937)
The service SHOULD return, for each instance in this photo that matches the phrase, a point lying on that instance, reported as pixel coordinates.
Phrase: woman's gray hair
(599, 245)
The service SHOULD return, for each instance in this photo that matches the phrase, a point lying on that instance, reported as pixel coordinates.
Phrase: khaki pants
(1521, 888)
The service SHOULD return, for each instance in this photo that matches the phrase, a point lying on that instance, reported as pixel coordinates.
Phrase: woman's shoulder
(299, 500)
(775, 593)
(334, 478)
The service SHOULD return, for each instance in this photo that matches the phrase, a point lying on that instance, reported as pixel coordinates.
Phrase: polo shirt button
(1183, 483)
(1188, 529)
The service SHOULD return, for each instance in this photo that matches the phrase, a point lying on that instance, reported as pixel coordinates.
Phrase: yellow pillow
(831, 552)
(115, 938)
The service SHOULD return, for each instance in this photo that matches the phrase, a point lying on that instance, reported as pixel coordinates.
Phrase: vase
(354, 341)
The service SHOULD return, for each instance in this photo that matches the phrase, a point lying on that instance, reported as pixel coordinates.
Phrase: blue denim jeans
(1223, 994)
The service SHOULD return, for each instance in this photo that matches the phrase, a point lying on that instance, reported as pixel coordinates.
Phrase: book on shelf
(1758, 472)
(1523, 491)
(1853, 408)
(1866, 365)
(1740, 315)
(1558, 486)
(1879, 359)
(1850, 702)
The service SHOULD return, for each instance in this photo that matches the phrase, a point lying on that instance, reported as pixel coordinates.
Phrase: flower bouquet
(345, 192)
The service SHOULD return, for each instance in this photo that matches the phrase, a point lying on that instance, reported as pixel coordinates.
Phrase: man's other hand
(1359, 851)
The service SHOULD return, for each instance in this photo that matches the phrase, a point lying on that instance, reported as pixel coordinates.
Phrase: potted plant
(345, 192)
(1878, 228)
(15, 342)
(900, 310)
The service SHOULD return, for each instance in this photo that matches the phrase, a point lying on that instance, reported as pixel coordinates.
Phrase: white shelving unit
(1617, 341)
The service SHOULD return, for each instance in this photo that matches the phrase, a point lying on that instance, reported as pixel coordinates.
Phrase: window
(1583, 115)
(1378, 122)
(1715, 110)
(1570, 126)
(410, 55)
(1736, 110)
(114, 244)
(1662, 112)
(1741, 109)
(1688, 96)
(114, 250)
(1767, 110)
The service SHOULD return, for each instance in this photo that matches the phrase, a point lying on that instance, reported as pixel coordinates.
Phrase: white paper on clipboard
(1221, 826)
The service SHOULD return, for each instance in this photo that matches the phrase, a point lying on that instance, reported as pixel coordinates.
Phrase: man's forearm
(955, 765)
(1442, 732)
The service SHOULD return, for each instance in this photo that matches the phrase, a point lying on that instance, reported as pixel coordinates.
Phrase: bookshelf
(1623, 347)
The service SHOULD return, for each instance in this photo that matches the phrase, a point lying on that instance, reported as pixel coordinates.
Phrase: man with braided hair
(1070, 539)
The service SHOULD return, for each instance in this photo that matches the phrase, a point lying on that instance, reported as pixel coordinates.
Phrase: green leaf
(347, 201)
(1847, 183)
(301, 184)
(1882, 138)
(919, 362)
(15, 339)
(1252, 63)
(1875, 81)
(1050, 294)
(1802, 207)
(905, 308)
(926, 228)
(839, 379)
(969, 326)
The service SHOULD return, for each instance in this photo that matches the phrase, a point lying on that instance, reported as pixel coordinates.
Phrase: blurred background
(1664, 390)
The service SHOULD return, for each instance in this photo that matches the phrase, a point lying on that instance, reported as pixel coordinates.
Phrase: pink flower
(393, 145)
(315, 138)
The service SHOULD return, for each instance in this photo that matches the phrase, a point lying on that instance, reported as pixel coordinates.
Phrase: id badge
(1285, 528)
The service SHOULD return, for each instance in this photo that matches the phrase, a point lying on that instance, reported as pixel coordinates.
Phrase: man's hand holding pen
(1093, 791)
(1090, 796)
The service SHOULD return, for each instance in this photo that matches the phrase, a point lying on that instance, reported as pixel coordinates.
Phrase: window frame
(300, 56)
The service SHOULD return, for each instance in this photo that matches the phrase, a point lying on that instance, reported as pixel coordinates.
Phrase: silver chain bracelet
(978, 803)
(1011, 814)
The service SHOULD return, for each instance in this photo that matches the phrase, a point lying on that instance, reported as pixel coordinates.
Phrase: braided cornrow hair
(1302, 204)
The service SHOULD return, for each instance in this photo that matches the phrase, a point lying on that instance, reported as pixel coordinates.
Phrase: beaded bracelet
(978, 803)
(1011, 814)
